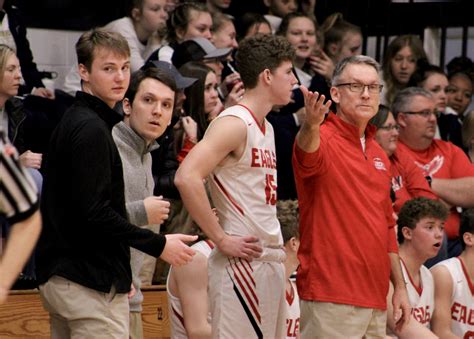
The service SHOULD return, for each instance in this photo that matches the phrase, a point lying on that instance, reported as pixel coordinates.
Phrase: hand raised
(314, 106)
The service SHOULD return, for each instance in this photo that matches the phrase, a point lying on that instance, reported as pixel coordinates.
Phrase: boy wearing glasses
(343, 183)
(446, 166)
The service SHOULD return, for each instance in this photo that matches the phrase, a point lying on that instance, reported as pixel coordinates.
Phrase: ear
(294, 244)
(333, 48)
(127, 107)
(468, 239)
(266, 76)
(407, 232)
(136, 14)
(267, 3)
(335, 97)
(401, 119)
(180, 33)
(83, 73)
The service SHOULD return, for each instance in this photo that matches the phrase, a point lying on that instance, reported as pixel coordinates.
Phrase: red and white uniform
(462, 305)
(293, 316)
(175, 310)
(244, 303)
(244, 193)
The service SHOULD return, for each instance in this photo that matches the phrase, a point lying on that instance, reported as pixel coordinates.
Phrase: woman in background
(341, 38)
(433, 79)
(399, 63)
(199, 106)
(188, 20)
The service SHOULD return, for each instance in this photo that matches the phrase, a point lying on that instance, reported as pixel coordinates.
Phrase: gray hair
(358, 60)
(405, 97)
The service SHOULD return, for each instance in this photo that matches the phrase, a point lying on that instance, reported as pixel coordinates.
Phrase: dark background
(374, 16)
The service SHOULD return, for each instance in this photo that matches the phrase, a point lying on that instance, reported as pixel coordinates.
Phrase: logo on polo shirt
(379, 164)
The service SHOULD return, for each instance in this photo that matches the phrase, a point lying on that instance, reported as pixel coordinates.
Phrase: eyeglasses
(425, 113)
(395, 127)
(359, 88)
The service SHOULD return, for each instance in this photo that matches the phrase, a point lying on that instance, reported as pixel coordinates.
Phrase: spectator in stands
(83, 256)
(277, 9)
(454, 280)
(11, 108)
(230, 88)
(399, 63)
(468, 134)
(250, 24)
(188, 20)
(143, 21)
(14, 120)
(218, 6)
(434, 80)
(446, 166)
(461, 64)
(199, 106)
(459, 93)
(200, 49)
(19, 204)
(312, 71)
(341, 38)
(148, 107)
(420, 233)
(345, 209)
(408, 180)
(287, 213)
(13, 34)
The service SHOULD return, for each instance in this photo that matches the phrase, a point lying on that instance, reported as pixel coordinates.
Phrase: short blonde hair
(5, 53)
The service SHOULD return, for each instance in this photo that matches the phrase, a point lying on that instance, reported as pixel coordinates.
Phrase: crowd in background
(196, 42)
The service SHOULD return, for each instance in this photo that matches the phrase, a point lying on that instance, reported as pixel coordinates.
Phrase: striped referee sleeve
(18, 193)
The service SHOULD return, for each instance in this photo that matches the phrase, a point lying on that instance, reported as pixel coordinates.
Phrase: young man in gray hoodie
(148, 107)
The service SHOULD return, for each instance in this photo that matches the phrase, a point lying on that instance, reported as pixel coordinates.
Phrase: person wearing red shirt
(408, 180)
(445, 165)
(348, 248)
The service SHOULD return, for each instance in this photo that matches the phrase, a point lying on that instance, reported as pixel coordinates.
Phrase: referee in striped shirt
(19, 204)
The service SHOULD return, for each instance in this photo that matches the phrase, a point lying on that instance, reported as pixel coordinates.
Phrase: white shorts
(247, 299)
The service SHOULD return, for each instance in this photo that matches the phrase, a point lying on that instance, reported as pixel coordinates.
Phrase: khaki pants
(80, 312)
(136, 326)
(333, 321)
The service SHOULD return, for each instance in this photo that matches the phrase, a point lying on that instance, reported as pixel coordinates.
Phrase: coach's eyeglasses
(390, 127)
(425, 113)
(359, 88)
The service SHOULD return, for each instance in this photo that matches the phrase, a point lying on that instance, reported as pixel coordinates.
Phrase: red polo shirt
(346, 218)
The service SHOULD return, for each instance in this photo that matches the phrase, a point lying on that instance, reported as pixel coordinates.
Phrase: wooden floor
(23, 315)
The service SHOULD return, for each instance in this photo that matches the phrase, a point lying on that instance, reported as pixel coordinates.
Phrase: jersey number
(270, 190)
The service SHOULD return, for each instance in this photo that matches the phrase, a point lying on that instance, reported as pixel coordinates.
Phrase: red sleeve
(415, 181)
(308, 164)
(461, 166)
(188, 145)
